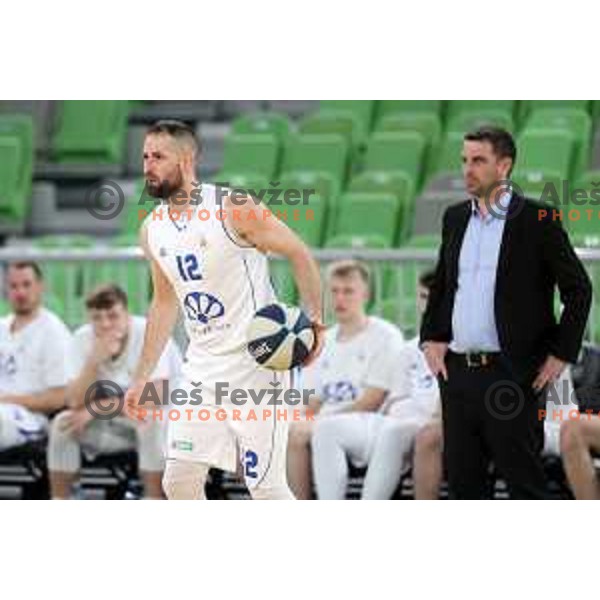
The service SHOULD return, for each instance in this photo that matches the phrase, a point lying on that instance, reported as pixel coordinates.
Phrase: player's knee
(57, 429)
(571, 436)
(429, 438)
(299, 435)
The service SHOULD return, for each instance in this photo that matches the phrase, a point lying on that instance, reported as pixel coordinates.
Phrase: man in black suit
(489, 332)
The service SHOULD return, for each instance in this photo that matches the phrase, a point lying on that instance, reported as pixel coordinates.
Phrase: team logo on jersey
(202, 307)
(340, 391)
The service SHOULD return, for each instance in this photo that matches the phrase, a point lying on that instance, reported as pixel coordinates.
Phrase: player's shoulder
(137, 324)
(52, 323)
(379, 327)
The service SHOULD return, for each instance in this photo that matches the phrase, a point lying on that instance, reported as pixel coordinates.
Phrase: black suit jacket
(535, 256)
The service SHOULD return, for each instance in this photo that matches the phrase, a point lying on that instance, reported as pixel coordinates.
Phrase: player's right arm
(160, 321)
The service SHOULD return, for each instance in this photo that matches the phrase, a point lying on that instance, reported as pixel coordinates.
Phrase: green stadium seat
(318, 154)
(534, 105)
(396, 151)
(64, 279)
(363, 111)
(456, 107)
(397, 183)
(541, 185)
(388, 107)
(449, 159)
(309, 221)
(586, 229)
(573, 120)
(91, 131)
(342, 122)
(462, 122)
(253, 155)
(274, 123)
(364, 214)
(310, 183)
(549, 151)
(427, 124)
(240, 181)
(10, 161)
(424, 241)
(283, 282)
(16, 166)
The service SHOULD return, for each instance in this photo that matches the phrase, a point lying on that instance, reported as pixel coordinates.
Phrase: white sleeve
(58, 358)
(384, 363)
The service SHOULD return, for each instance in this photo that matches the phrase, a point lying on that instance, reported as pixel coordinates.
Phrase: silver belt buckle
(481, 360)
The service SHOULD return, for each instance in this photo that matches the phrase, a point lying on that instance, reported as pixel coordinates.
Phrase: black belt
(476, 360)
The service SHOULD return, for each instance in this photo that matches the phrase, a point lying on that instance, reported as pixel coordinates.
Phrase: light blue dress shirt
(473, 319)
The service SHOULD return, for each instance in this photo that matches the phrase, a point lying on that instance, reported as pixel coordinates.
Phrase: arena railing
(71, 272)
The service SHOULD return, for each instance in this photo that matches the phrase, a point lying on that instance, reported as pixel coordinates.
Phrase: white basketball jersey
(346, 368)
(220, 280)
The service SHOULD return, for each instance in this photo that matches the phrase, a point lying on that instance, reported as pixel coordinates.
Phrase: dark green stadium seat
(342, 122)
(573, 120)
(364, 214)
(252, 184)
(318, 154)
(254, 155)
(397, 183)
(396, 151)
(547, 151)
(91, 131)
(262, 122)
(585, 231)
(363, 111)
(388, 107)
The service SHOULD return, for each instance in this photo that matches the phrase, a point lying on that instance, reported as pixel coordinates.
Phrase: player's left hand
(319, 331)
(549, 372)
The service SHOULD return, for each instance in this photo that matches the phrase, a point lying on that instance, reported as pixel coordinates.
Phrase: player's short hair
(105, 296)
(28, 264)
(180, 131)
(502, 142)
(345, 268)
(426, 279)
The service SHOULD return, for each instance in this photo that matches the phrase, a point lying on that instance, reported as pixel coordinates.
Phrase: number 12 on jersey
(188, 267)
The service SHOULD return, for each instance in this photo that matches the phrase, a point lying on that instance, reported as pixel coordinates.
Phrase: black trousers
(490, 416)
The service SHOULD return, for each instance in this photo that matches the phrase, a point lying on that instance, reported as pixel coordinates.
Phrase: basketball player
(35, 348)
(427, 464)
(352, 378)
(380, 439)
(107, 349)
(215, 269)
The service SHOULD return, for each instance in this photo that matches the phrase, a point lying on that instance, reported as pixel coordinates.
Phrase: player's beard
(165, 188)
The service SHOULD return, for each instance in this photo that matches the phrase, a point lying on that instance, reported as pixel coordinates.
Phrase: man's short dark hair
(179, 130)
(502, 142)
(105, 297)
(426, 279)
(28, 264)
